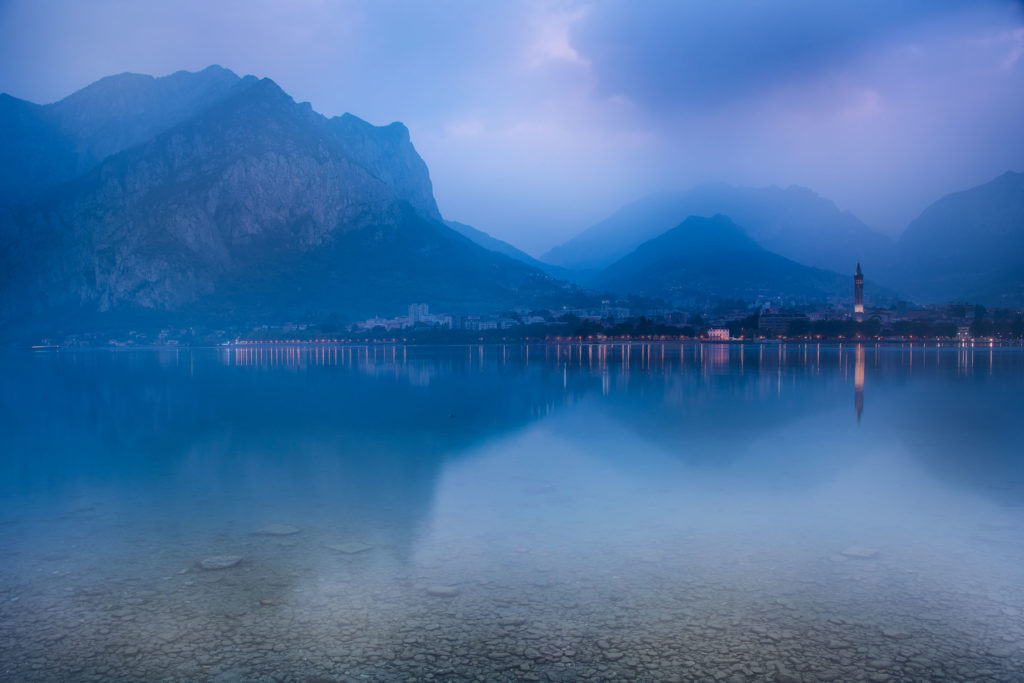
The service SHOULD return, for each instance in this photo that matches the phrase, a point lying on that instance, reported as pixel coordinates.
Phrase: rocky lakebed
(283, 603)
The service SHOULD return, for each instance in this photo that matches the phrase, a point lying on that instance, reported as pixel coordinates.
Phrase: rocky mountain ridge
(252, 206)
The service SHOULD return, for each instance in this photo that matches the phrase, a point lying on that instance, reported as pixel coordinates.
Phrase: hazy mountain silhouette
(968, 245)
(492, 243)
(502, 247)
(240, 205)
(46, 144)
(795, 222)
(209, 198)
(704, 257)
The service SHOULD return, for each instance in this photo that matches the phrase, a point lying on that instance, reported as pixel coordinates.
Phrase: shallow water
(644, 512)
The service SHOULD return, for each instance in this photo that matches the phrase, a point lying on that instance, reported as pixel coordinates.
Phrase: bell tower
(858, 291)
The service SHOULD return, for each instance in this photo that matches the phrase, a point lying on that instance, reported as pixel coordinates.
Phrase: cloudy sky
(540, 118)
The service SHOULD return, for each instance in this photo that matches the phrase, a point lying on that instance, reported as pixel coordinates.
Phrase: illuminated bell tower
(858, 291)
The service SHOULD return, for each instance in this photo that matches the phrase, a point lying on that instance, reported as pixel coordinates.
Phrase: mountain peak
(265, 90)
(707, 257)
(699, 235)
(802, 191)
(795, 222)
(396, 130)
(124, 110)
(132, 85)
(214, 69)
(388, 153)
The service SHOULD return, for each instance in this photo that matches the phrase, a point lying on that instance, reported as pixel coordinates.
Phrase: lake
(548, 512)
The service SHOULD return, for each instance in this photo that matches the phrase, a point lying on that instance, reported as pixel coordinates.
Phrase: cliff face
(387, 153)
(249, 206)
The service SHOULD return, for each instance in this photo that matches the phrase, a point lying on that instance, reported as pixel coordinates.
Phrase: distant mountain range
(703, 258)
(967, 246)
(211, 198)
(206, 198)
(795, 223)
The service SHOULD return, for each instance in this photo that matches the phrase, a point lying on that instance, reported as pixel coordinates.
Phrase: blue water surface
(794, 512)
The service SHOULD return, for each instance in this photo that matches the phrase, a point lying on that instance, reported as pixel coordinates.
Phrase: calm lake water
(645, 512)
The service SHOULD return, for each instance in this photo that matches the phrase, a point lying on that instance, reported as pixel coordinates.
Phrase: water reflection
(858, 383)
(512, 511)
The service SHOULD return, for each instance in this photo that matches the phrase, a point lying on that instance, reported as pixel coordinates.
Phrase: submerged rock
(349, 548)
(220, 561)
(278, 530)
(895, 634)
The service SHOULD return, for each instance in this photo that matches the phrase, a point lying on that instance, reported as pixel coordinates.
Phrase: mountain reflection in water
(536, 512)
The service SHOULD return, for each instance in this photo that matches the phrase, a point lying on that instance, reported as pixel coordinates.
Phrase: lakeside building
(387, 323)
(419, 314)
(476, 323)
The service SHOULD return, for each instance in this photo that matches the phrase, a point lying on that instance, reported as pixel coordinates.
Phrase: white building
(420, 313)
(387, 323)
(718, 333)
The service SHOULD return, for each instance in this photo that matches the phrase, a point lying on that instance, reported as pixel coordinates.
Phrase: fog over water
(546, 512)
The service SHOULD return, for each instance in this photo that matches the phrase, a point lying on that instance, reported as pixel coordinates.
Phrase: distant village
(721, 321)
(954, 321)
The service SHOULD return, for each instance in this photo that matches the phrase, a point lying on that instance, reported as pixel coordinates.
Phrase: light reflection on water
(551, 512)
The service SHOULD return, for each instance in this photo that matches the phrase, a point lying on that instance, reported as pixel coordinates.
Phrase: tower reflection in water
(858, 383)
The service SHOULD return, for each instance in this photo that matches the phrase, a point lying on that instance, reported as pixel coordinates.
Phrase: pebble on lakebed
(220, 561)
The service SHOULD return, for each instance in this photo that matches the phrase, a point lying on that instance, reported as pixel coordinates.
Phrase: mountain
(493, 243)
(502, 247)
(241, 207)
(968, 245)
(33, 152)
(713, 257)
(387, 153)
(46, 144)
(795, 222)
